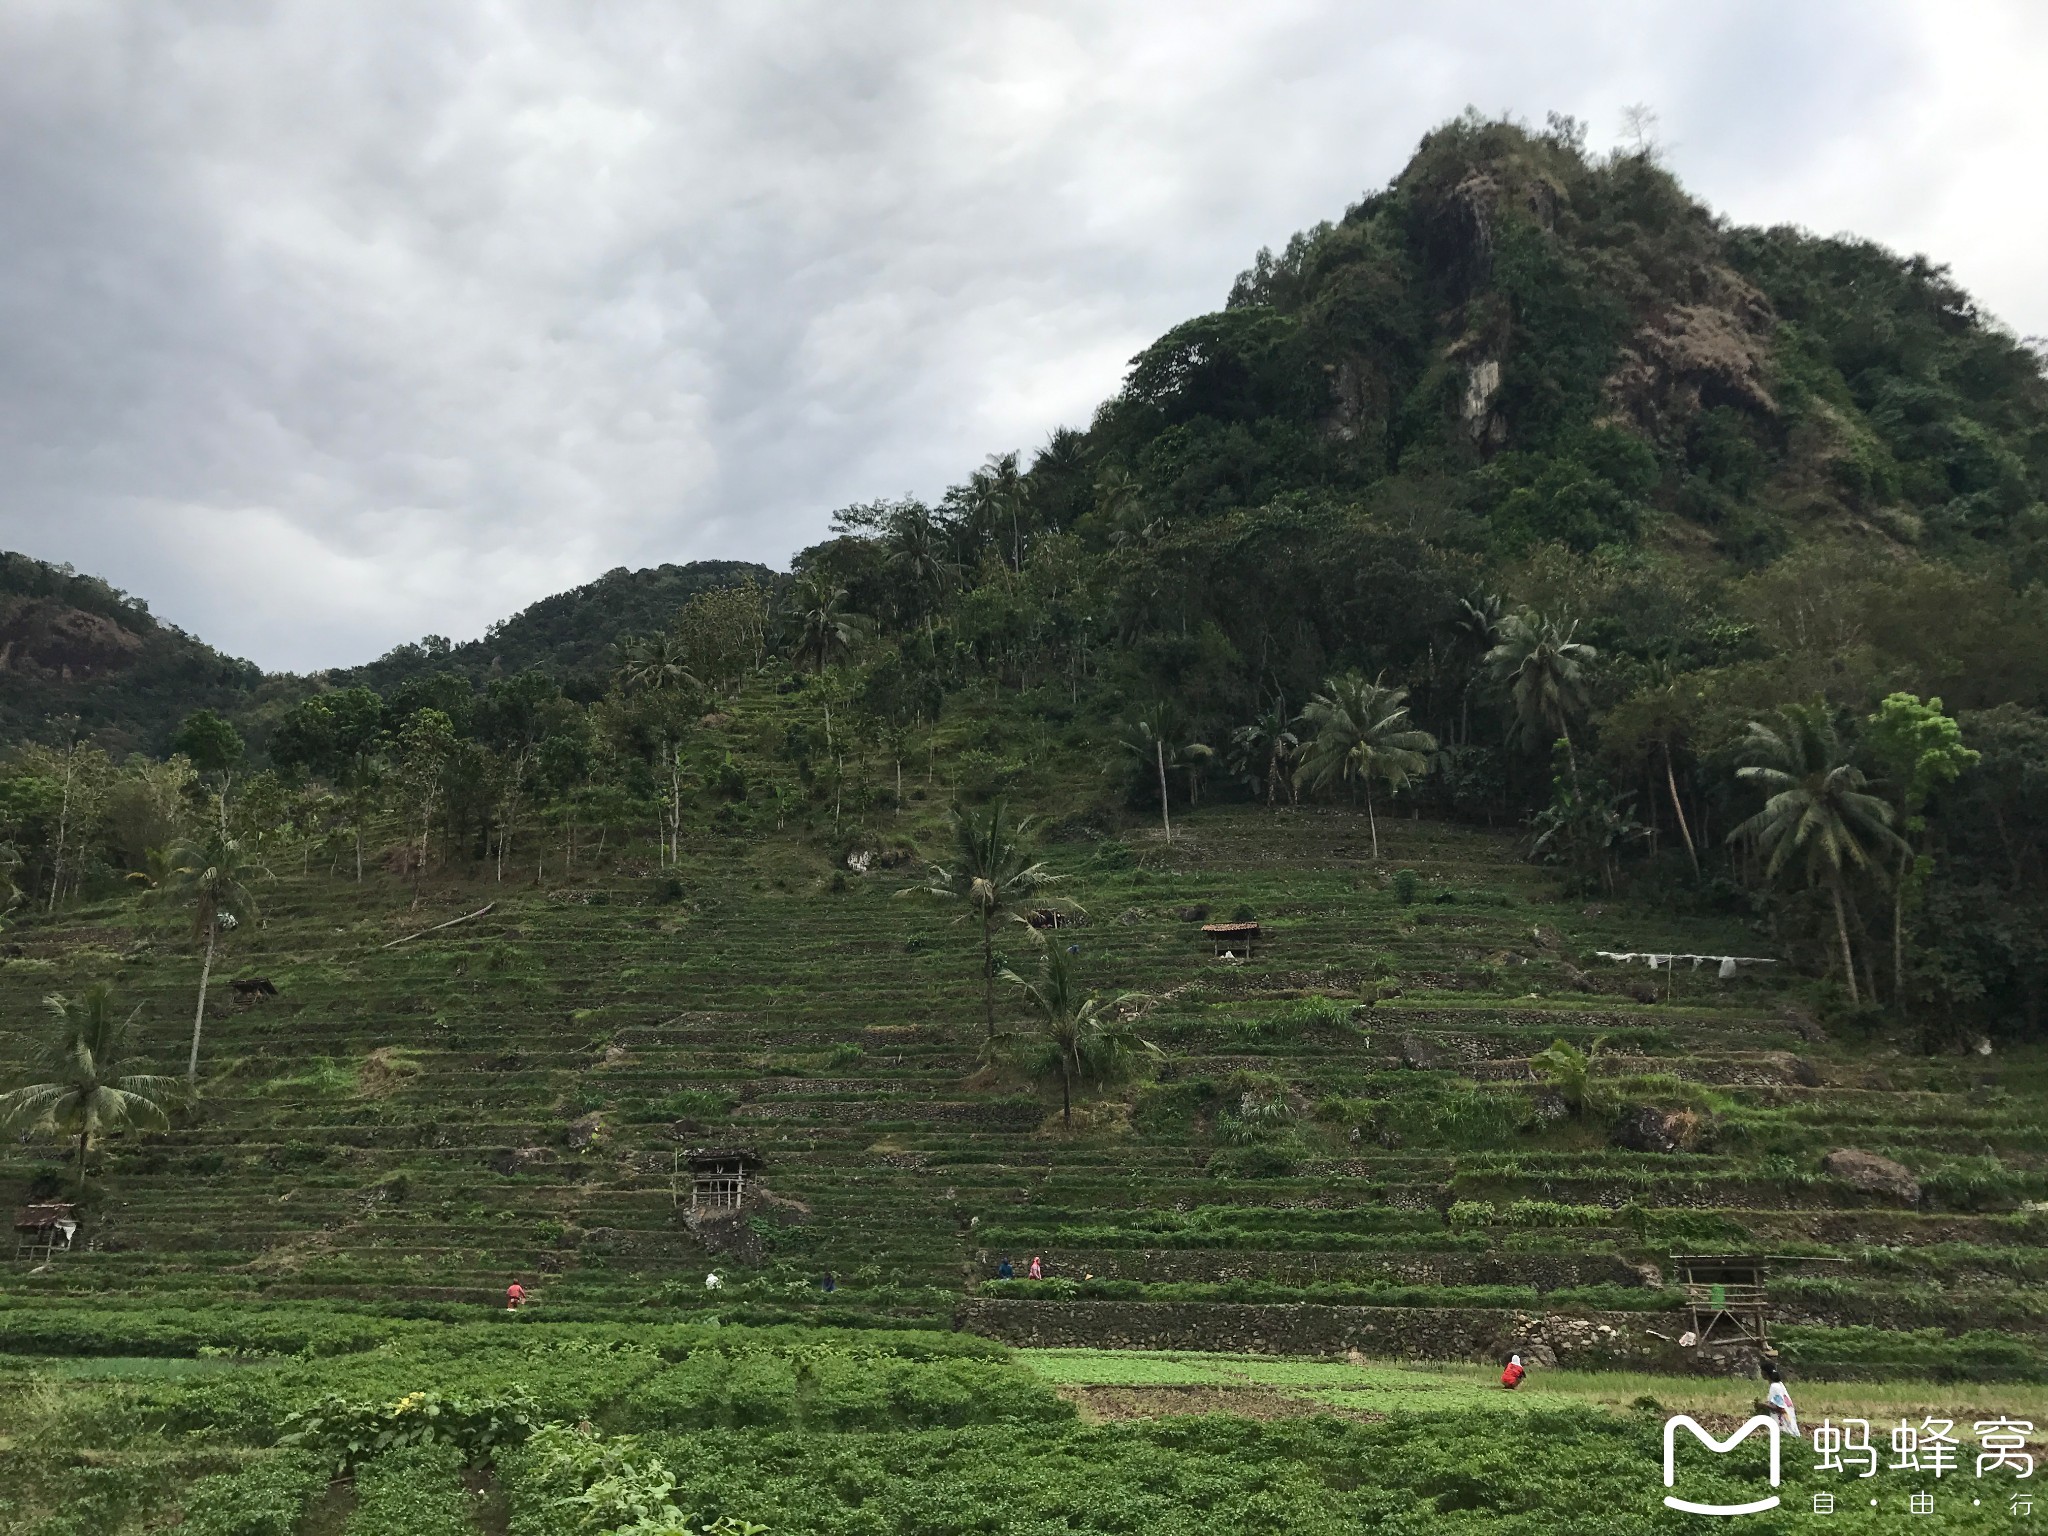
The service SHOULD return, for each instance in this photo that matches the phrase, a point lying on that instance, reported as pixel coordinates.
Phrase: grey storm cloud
(323, 327)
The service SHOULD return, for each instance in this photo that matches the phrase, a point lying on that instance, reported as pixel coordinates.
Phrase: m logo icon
(1769, 1426)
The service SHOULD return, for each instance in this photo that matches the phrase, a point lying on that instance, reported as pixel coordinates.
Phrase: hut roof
(704, 1157)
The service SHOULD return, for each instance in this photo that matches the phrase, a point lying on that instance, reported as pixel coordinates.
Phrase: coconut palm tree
(654, 664)
(86, 1092)
(1544, 669)
(1077, 1042)
(1263, 751)
(916, 548)
(1362, 734)
(992, 875)
(1475, 631)
(1817, 811)
(826, 630)
(211, 879)
(1151, 738)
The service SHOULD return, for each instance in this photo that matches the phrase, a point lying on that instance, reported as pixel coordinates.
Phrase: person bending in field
(1006, 1271)
(1779, 1402)
(515, 1296)
(1511, 1375)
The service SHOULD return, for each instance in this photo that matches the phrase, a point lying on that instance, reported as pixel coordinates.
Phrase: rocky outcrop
(1872, 1174)
(1651, 1128)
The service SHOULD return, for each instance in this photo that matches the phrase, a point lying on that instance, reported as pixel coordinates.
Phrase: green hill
(569, 635)
(74, 648)
(1512, 577)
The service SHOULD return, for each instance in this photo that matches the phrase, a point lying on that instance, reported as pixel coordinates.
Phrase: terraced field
(1345, 1146)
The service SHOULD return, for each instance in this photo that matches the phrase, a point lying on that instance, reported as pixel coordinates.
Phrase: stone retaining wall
(1420, 1333)
(1544, 1271)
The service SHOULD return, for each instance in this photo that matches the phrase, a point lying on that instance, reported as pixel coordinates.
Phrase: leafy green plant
(348, 1431)
(1570, 1072)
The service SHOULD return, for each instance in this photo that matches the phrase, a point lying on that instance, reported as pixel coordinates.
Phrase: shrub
(412, 1492)
(265, 1499)
(1406, 884)
(347, 1432)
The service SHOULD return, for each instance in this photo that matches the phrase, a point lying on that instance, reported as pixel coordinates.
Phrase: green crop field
(387, 1143)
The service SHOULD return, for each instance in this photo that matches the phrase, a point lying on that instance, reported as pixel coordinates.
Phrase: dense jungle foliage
(1528, 492)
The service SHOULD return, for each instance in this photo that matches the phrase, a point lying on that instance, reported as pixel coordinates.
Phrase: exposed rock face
(1423, 1055)
(586, 1132)
(1647, 1128)
(518, 1159)
(41, 635)
(1482, 383)
(1872, 1174)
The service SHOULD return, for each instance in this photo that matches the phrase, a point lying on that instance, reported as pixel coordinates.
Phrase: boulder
(1872, 1174)
(1649, 1128)
(586, 1132)
(510, 1160)
(1423, 1055)
(1548, 1107)
(1537, 1355)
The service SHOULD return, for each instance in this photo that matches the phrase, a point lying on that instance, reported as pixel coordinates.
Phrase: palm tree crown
(1545, 670)
(826, 630)
(87, 1093)
(655, 663)
(1817, 811)
(1077, 1042)
(1362, 735)
(992, 873)
(1263, 751)
(211, 879)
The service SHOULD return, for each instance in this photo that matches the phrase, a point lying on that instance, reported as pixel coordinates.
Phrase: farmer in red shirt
(1511, 1377)
(515, 1296)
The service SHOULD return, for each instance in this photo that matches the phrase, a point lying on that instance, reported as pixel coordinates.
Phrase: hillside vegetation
(1525, 570)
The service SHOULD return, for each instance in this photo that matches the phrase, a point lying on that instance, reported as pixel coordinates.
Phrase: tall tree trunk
(988, 971)
(1165, 817)
(1842, 933)
(63, 827)
(199, 1013)
(1899, 933)
(1671, 782)
(1066, 1094)
(83, 1132)
(1372, 821)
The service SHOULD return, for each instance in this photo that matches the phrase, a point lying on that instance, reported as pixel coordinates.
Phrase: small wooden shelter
(1727, 1297)
(718, 1179)
(1232, 938)
(44, 1229)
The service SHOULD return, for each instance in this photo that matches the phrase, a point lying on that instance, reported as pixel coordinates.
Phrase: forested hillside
(80, 656)
(573, 636)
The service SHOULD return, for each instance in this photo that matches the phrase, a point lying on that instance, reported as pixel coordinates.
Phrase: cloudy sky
(326, 326)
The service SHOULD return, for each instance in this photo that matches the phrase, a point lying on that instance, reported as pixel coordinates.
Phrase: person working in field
(1511, 1375)
(1779, 1401)
(515, 1296)
(1037, 1271)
